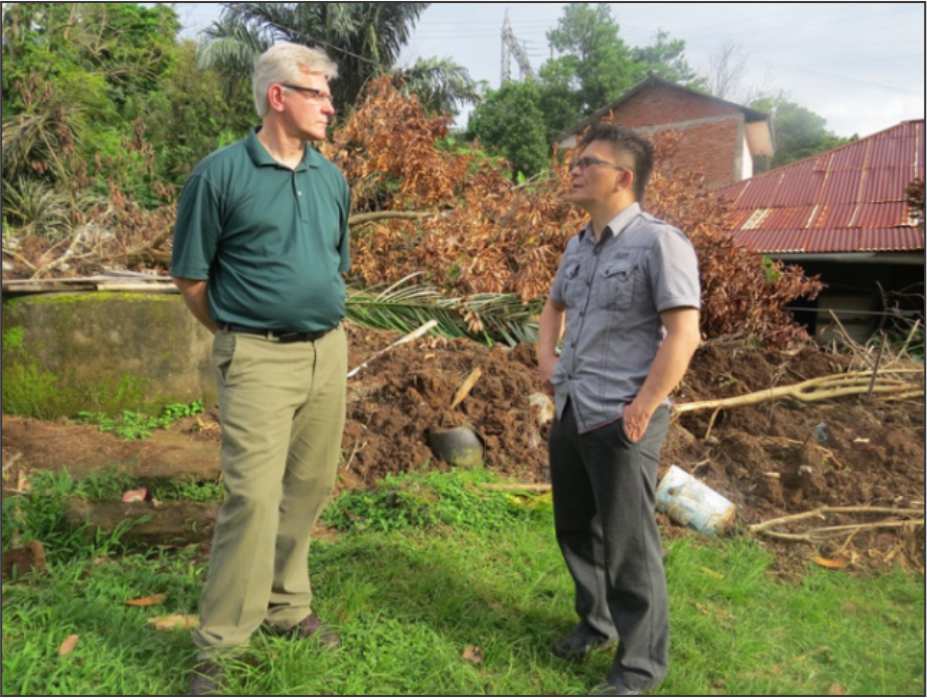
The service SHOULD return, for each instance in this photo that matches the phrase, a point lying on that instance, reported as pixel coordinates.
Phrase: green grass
(429, 564)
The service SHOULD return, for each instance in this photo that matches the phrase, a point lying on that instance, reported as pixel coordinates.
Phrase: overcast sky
(859, 65)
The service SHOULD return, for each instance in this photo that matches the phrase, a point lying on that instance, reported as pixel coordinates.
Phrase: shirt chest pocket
(573, 285)
(615, 285)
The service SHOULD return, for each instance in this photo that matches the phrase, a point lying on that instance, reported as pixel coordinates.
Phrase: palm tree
(230, 47)
(441, 85)
(363, 38)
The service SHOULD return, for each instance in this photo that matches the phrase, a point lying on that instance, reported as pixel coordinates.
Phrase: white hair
(285, 62)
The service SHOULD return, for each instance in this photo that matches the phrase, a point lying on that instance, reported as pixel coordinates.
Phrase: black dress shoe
(576, 646)
(309, 627)
(205, 679)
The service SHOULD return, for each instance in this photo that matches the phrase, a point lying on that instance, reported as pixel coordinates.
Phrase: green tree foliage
(797, 132)
(441, 85)
(594, 67)
(192, 114)
(100, 96)
(665, 58)
(364, 38)
(593, 60)
(74, 78)
(509, 122)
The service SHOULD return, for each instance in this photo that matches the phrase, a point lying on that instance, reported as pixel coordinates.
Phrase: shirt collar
(261, 158)
(617, 224)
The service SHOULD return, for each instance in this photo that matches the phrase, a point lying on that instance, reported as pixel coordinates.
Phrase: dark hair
(626, 140)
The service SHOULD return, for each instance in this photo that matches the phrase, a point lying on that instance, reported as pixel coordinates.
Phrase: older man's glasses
(588, 161)
(310, 92)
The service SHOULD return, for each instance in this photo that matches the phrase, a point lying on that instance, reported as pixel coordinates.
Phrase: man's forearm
(550, 327)
(669, 366)
(194, 295)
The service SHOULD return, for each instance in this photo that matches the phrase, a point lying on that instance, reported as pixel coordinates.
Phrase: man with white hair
(260, 244)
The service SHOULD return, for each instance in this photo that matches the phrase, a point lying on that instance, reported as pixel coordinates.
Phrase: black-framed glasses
(588, 161)
(309, 92)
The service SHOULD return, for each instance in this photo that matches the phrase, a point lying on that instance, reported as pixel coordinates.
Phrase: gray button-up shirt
(614, 291)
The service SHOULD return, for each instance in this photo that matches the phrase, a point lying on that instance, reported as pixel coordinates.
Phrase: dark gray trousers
(603, 492)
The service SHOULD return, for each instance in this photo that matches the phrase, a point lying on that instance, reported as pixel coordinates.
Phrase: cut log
(167, 523)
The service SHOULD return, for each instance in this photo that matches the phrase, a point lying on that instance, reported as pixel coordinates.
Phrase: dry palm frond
(404, 306)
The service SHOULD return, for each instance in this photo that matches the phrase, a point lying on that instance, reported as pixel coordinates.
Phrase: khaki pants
(282, 409)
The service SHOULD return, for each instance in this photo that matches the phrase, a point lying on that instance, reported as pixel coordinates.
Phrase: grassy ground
(429, 567)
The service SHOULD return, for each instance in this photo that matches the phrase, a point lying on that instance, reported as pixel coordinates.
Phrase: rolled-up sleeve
(674, 272)
(196, 232)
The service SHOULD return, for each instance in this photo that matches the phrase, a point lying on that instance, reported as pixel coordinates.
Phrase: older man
(259, 247)
(629, 287)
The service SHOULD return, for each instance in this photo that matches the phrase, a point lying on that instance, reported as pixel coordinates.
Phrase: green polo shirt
(271, 241)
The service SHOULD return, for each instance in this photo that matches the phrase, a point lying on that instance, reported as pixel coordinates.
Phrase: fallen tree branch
(21, 259)
(918, 392)
(466, 386)
(415, 334)
(820, 511)
(362, 218)
(822, 388)
(822, 532)
(815, 535)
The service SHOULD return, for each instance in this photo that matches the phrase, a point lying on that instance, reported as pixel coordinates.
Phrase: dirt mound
(395, 400)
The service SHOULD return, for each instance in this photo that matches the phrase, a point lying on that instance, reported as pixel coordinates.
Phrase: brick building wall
(712, 133)
(663, 105)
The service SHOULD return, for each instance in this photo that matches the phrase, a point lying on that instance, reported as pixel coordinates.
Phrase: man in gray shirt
(628, 287)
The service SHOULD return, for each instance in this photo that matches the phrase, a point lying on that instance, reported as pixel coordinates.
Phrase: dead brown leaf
(152, 600)
(472, 654)
(138, 495)
(830, 563)
(66, 647)
(174, 621)
(836, 690)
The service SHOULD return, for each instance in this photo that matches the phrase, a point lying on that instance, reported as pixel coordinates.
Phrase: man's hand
(667, 369)
(635, 419)
(546, 366)
(194, 295)
(550, 327)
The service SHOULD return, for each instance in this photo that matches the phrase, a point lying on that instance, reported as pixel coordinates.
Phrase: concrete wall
(102, 351)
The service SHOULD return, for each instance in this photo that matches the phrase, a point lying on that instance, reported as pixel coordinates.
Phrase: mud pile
(769, 459)
(394, 401)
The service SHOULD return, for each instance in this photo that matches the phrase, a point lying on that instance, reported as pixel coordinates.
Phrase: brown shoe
(311, 627)
(205, 679)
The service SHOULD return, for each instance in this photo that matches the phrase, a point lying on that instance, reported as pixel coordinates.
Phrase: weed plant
(133, 425)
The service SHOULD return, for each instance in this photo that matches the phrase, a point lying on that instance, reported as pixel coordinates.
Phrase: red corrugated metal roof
(850, 199)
